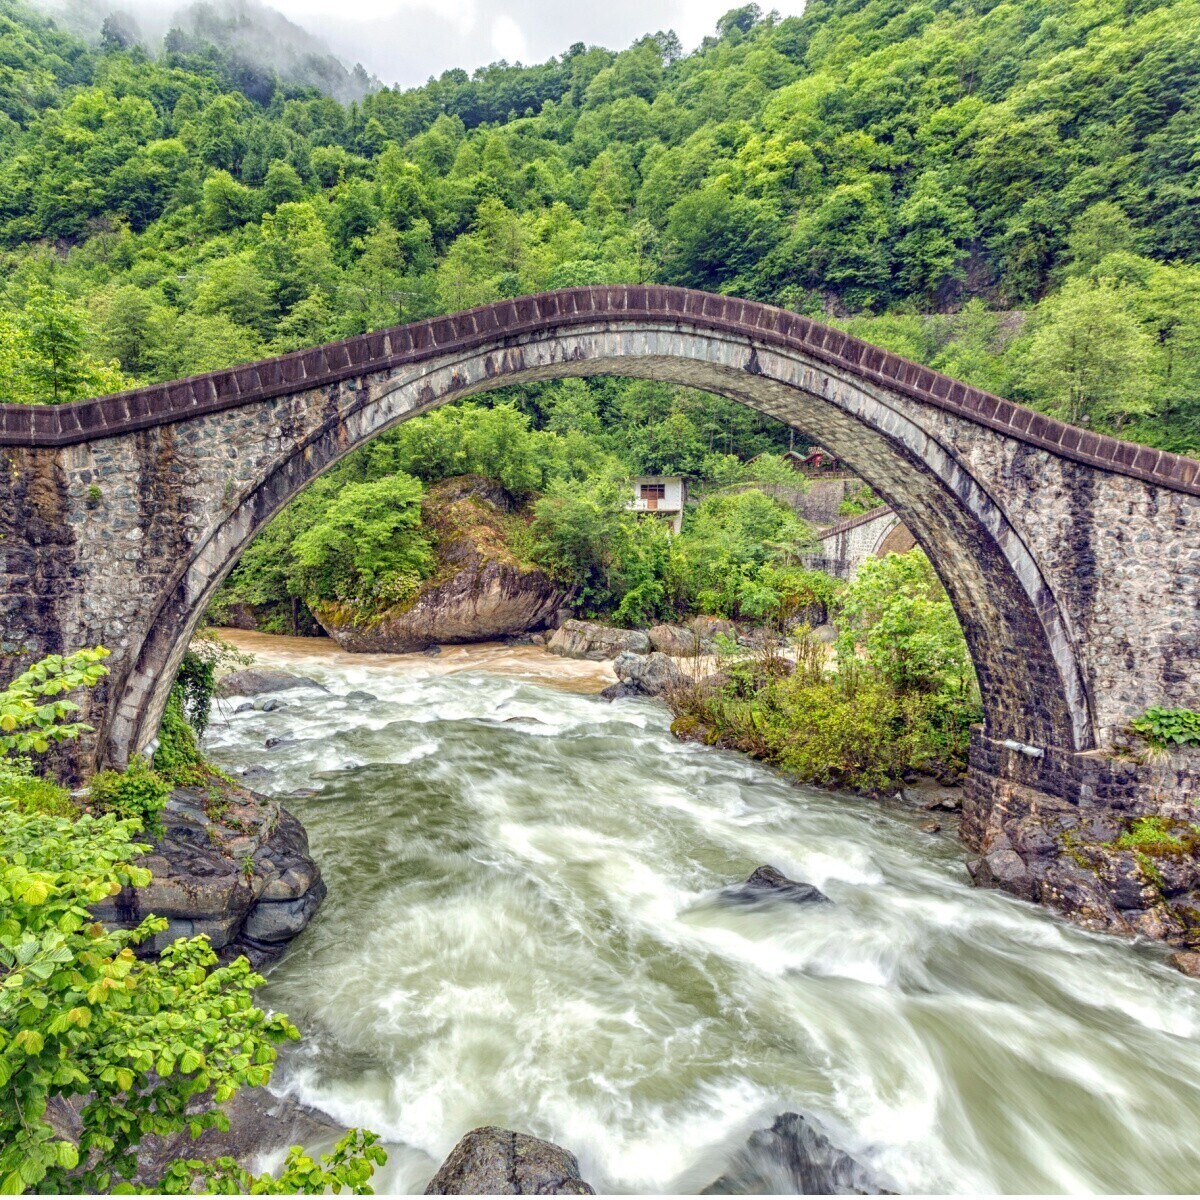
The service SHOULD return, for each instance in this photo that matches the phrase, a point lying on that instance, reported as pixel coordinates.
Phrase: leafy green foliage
(137, 793)
(901, 696)
(154, 1046)
(366, 545)
(896, 617)
(349, 1165)
(34, 793)
(27, 725)
(732, 545)
(177, 757)
(151, 1047)
(1165, 727)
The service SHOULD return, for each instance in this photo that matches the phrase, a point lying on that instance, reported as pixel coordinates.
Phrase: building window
(654, 491)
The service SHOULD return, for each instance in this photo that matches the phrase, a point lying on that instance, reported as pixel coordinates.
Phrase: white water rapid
(522, 930)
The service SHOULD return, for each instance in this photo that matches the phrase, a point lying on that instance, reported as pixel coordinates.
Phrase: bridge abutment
(1104, 836)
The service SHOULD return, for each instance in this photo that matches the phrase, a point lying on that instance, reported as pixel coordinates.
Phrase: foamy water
(522, 930)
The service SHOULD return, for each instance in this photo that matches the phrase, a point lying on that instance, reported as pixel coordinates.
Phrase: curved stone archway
(128, 512)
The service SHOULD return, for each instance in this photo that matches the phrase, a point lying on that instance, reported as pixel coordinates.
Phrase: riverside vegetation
(140, 1047)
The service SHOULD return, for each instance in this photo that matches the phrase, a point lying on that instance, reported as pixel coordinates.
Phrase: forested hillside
(1022, 171)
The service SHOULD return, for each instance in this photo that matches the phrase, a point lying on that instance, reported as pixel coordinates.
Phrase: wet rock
(930, 826)
(256, 681)
(363, 697)
(432, 651)
(619, 691)
(674, 640)
(480, 589)
(596, 642)
(260, 1123)
(268, 704)
(302, 792)
(284, 739)
(219, 861)
(1187, 961)
(257, 771)
(766, 883)
(794, 1157)
(653, 674)
(707, 628)
(499, 1162)
(244, 707)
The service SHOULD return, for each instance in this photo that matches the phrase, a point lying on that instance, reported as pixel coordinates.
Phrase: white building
(661, 494)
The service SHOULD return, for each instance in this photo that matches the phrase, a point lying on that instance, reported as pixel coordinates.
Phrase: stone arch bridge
(1072, 559)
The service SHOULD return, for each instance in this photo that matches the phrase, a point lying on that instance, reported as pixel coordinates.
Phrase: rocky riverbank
(231, 865)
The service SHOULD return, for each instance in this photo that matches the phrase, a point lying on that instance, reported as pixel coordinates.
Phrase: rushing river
(522, 930)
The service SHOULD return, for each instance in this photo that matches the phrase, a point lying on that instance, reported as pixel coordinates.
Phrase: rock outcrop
(1109, 867)
(236, 868)
(794, 1158)
(766, 883)
(480, 591)
(499, 1162)
(596, 642)
(654, 674)
(674, 640)
(261, 681)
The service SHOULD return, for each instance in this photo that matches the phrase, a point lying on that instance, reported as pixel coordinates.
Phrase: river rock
(653, 674)
(260, 1123)
(480, 590)
(766, 883)
(1086, 863)
(707, 628)
(257, 681)
(236, 868)
(794, 1157)
(674, 640)
(593, 641)
(364, 697)
(1187, 961)
(499, 1162)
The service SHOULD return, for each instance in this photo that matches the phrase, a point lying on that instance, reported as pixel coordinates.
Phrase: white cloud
(406, 41)
(508, 40)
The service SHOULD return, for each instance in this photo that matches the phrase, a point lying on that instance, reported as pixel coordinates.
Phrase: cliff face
(482, 588)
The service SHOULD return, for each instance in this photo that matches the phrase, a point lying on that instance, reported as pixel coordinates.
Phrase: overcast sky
(406, 41)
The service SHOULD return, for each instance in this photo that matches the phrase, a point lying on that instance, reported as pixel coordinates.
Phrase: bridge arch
(1020, 638)
(1072, 559)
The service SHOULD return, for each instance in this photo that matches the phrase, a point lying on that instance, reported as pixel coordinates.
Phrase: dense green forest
(1007, 191)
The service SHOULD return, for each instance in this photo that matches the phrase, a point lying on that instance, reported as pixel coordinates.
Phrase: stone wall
(845, 546)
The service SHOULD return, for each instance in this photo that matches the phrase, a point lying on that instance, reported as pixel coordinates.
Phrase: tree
(1100, 230)
(935, 224)
(366, 545)
(896, 617)
(1090, 360)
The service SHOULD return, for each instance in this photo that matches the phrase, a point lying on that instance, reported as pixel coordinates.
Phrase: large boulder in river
(674, 640)
(258, 681)
(794, 1158)
(499, 1162)
(232, 865)
(481, 588)
(766, 883)
(649, 674)
(591, 640)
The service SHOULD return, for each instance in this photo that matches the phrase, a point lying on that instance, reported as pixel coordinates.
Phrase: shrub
(143, 1046)
(138, 792)
(178, 758)
(29, 726)
(1165, 727)
(33, 793)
